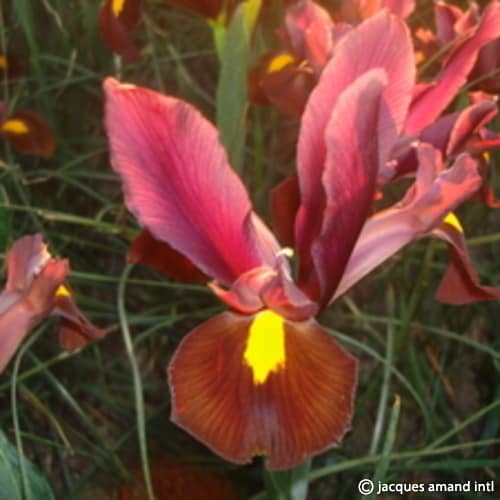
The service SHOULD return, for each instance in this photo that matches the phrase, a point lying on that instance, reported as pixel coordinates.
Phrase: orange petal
(75, 330)
(29, 133)
(263, 385)
(158, 255)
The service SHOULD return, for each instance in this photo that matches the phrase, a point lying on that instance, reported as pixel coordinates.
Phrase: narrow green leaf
(232, 86)
(4, 221)
(10, 477)
(390, 439)
(289, 484)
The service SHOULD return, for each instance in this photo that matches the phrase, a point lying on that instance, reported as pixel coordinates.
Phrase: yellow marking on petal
(63, 291)
(487, 156)
(420, 57)
(117, 7)
(3, 62)
(15, 127)
(265, 349)
(453, 221)
(279, 62)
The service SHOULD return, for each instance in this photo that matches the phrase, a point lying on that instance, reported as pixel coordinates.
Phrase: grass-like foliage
(93, 420)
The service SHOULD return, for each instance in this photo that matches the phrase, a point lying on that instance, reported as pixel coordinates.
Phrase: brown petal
(158, 255)
(75, 330)
(262, 385)
(460, 284)
(285, 201)
(29, 133)
(117, 20)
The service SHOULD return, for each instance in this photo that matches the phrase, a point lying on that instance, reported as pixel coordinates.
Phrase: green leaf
(4, 222)
(289, 484)
(10, 476)
(232, 85)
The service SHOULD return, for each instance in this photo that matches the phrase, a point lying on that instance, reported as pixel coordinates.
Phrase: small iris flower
(27, 132)
(264, 378)
(117, 22)
(35, 289)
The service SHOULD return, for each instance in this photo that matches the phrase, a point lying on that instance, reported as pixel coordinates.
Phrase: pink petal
(469, 122)
(178, 183)
(381, 42)
(302, 18)
(30, 308)
(400, 8)
(349, 179)
(435, 193)
(460, 284)
(430, 103)
(446, 17)
(26, 258)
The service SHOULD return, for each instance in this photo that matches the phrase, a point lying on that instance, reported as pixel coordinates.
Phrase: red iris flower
(35, 289)
(264, 378)
(27, 132)
(117, 22)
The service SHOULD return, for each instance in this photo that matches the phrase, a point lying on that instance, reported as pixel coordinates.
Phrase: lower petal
(261, 385)
(460, 284)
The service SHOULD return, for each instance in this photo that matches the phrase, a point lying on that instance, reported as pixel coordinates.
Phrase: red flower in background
(35, 289)
(27, 132)
(117, 22)
(264, 377)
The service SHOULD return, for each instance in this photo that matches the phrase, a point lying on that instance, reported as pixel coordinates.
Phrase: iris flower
(117, 22)
(35, 289)
(27, 132)
(264, 378)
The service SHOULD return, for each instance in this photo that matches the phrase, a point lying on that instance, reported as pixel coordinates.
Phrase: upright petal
(428, 105)
(435, 193)
(261, 385)
(446, 16)
(400, 8)
(309, 28)
(24, 260)
(30, 308)
(349, 179)
(178, 183)
(380, 42)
